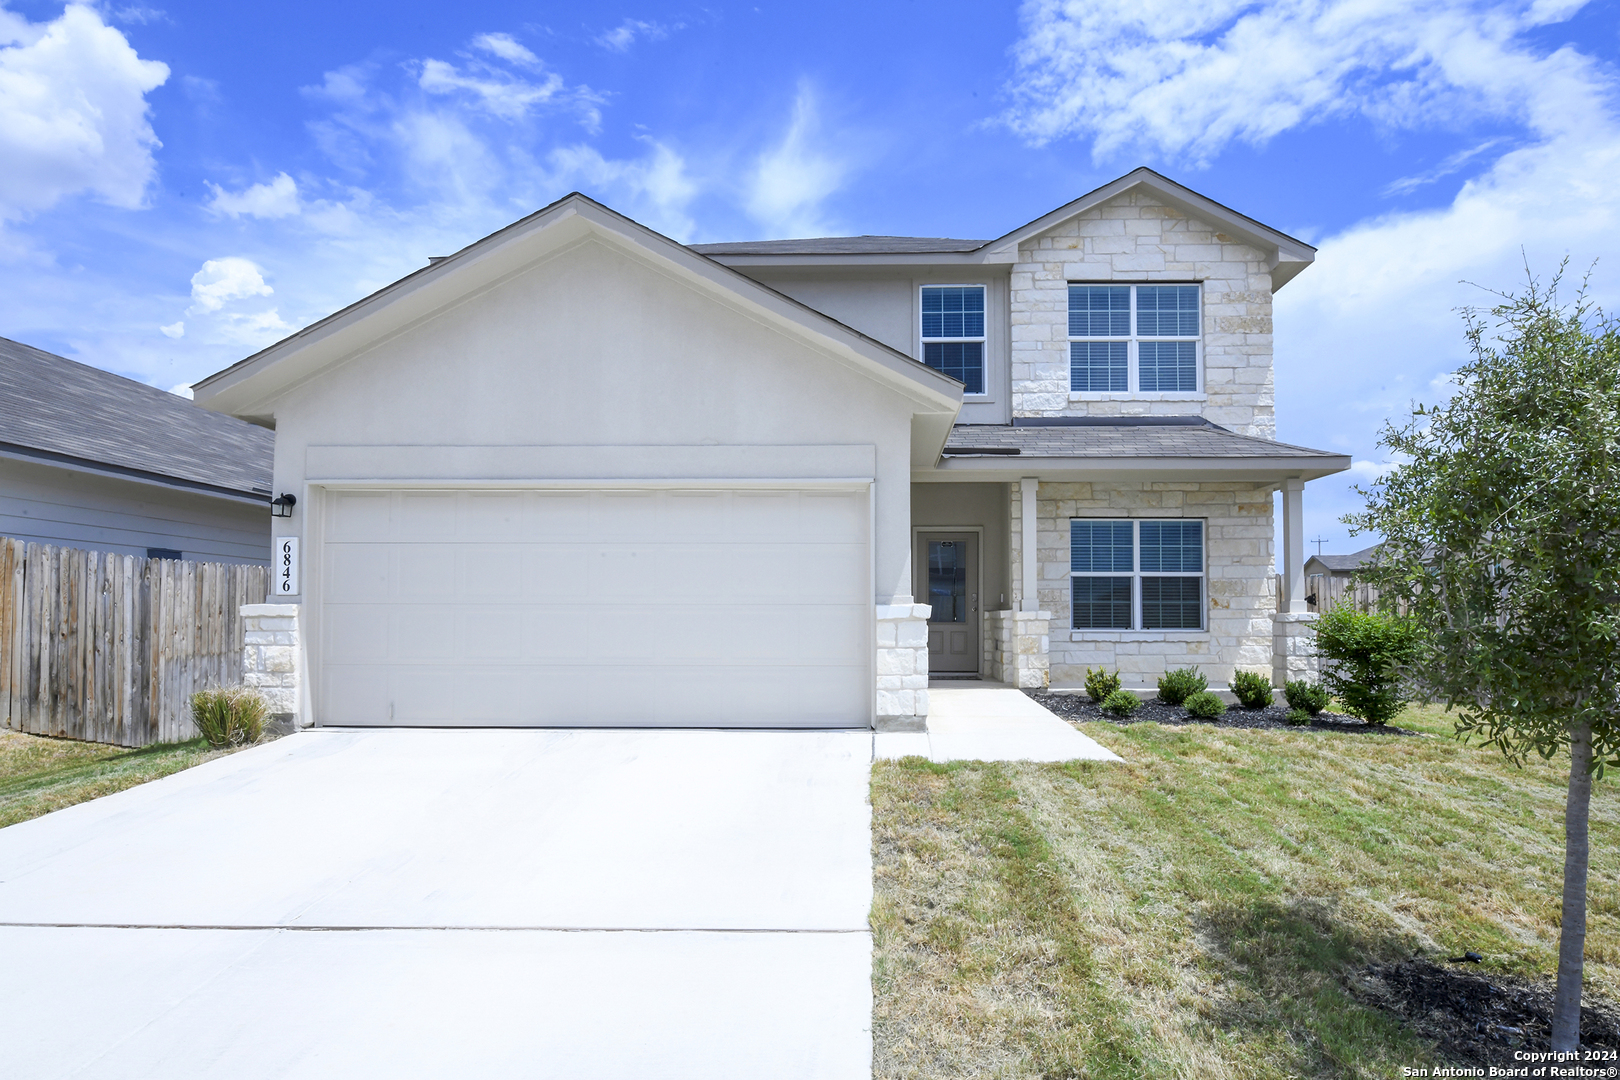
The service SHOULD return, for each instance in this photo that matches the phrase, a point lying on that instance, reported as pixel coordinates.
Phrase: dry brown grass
(1196, 911)
(39, 774)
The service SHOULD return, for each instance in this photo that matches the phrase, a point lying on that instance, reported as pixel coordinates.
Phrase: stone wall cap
(1295, 616)
(279, 610)
(889, 612)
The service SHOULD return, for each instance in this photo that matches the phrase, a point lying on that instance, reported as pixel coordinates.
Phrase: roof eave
(999, 467)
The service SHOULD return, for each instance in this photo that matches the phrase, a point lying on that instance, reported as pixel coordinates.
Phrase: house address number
(286, 566)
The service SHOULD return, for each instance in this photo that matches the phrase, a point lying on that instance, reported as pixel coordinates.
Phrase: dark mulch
(1081, 709)
(1479, 1017)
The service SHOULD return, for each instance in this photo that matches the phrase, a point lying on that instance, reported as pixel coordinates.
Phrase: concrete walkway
(453, 903)
(989, 722)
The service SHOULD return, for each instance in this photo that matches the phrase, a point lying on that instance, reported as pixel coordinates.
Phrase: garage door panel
(702, 608)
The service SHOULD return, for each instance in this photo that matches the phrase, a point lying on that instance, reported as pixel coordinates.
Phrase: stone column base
(270, 659)
(1022, 654)
(1293, 648)
(902, 667)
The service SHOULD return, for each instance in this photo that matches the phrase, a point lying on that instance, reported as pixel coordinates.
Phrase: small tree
(1502, 543)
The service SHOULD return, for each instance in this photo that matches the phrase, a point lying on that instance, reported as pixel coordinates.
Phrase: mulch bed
(1081, 709)
(1477, 1017)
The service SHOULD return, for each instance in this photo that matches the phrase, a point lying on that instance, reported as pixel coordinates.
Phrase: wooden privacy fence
(1331, 590)
(110, 648)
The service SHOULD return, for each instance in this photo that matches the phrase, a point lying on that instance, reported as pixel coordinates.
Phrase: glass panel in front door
(947, 580)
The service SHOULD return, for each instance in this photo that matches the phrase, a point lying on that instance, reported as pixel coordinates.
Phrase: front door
(950, 570)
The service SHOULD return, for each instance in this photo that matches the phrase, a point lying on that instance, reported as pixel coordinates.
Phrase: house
(579, 473)
(1328, 579)
(89, 459)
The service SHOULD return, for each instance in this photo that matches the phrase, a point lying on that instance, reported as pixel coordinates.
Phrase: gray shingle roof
(1117, 439)
(52, 405)
(1346, 562)
(841, 245)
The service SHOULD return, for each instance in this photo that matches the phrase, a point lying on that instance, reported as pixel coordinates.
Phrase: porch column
(1030, 601)
(1293, 553)
(1293, 629)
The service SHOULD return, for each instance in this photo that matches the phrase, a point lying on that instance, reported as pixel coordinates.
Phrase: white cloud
(73, 113)
(656, 190)
(1189, 79)
(499, 93)
(621, 37)
(507, 48)
(181, 390)
(175, 330)
(793, 178)
(1448, 167)
(222, 280)
(278, 198)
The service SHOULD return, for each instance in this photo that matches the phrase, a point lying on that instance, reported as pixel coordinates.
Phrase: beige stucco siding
(1241, 585)
(1136, 238)
(596, 348)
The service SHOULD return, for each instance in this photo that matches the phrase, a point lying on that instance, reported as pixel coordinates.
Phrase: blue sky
(181, 184)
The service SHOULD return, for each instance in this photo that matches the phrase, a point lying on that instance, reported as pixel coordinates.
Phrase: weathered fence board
(110, 648)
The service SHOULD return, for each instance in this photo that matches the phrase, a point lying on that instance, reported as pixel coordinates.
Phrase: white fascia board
(247, 387)
(1287, 256)
(1005, 467)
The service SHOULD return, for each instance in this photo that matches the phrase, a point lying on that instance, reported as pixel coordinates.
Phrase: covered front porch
(1045, 549)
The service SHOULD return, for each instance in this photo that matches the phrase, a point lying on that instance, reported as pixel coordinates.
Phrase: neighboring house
(1328, 578)
(92, 460)
(578, 473)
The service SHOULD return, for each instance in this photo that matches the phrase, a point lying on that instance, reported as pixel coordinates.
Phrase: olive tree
(1501, 532)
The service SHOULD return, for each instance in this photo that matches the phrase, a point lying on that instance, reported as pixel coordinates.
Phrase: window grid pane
(1172, 547)
(953, 312)
(1099, 365)
(1167, 365)
(1102, 603)
(1100, 547)
(1167, 310)
(962, 360)
(1099, 310)
(1172, 603)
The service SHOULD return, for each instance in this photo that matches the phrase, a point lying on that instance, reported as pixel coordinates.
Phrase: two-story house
(578, 473)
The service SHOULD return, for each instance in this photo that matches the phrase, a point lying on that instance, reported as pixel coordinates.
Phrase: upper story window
(953, 332)
(1134, 338)
(1137, 574)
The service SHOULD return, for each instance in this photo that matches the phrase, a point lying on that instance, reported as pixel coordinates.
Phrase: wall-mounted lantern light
(282, 507)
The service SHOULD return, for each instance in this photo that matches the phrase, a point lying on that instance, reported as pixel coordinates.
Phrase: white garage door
(698, 608)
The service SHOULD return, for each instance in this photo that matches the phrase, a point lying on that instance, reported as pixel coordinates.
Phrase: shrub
(1204, 705)
(1100, 683)
(1309, 697)
(1364, 655)
(1299, 717)
(1121, 703)
(233, 716)
(1175, 687)
(1253, 690)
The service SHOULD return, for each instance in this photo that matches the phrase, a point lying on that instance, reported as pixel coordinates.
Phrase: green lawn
(1195, 911)
(38, 774)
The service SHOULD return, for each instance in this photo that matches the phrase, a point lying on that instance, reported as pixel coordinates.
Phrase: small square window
(1142, 338)
(163, 553)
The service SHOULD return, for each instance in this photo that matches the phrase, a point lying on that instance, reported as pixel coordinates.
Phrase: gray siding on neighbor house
(50, 504)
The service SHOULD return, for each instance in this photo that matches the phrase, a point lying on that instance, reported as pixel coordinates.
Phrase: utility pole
(1319, 542)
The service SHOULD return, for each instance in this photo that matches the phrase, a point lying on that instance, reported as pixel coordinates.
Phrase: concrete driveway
(453, 903)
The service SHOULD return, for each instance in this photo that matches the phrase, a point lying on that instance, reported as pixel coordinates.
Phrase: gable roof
(1287, 255)
(57, 410)
(1343, 563)
(247, 387)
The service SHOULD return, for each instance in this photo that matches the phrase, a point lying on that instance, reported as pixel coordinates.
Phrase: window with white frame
(953, 332)
(1127, 339)
(1139, 574)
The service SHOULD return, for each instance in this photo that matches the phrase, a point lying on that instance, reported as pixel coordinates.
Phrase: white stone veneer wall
(270, 656)
(1293, 648)
(1022, 648)
(902, 667)
(1136, 238)
(1241, 581)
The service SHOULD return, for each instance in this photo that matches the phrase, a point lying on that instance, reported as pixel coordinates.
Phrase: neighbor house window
(1133, 338)
(953, 332)
(1137, 574)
